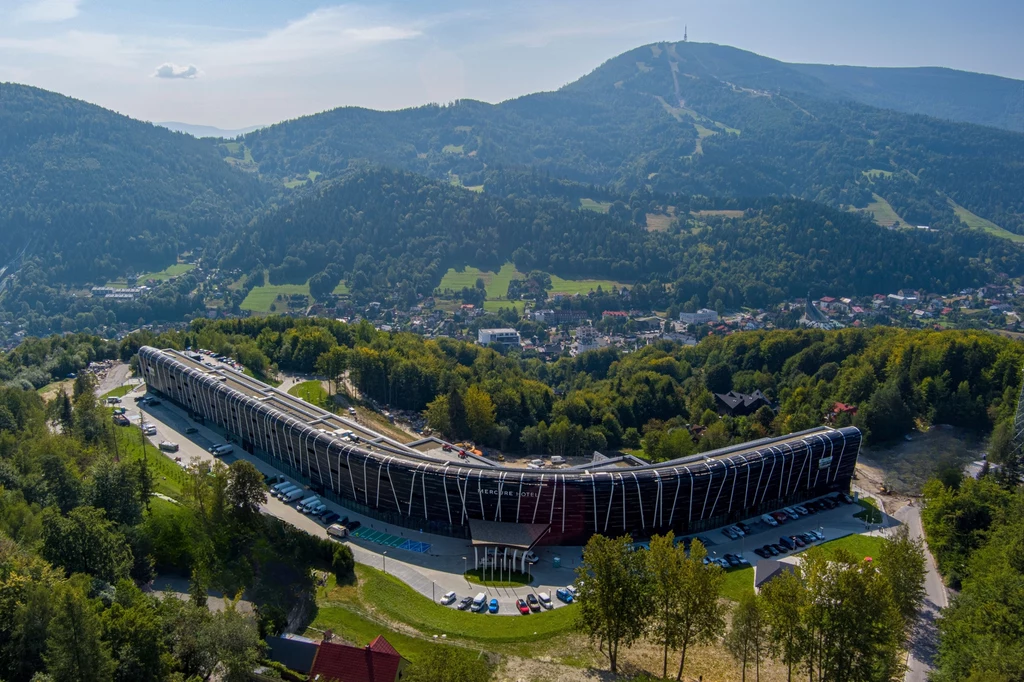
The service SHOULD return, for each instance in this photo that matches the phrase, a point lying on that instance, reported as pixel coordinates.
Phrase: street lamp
(384, 562)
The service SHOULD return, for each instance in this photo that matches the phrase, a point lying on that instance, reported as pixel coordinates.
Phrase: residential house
(740, 404)
(378, 661)
(702, 316)
(506, 337)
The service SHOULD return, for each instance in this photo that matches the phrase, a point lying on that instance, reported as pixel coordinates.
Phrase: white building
(702, 316)
(506, 337)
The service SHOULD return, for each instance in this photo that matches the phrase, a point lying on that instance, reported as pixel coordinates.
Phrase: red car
(522, 606)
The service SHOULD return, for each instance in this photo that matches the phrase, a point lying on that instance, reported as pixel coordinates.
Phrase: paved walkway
(924, 640)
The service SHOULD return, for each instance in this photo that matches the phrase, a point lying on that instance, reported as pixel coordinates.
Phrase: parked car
(787, 543)
(336, 531)
(731, 560)
(573, 591)
(781, 517)
(493, 606)
(762, 552)
(744, 527)
(564, 595)
(818, 534)
(533, 602)
(779, 548)
(771, 551)
(791, 513)
(448, 598)
(149, 429)
(329, 517)
(168, 446)
(545, 600)
(153, 402)
(797, 540)
(190, 430)
(730, 533)
(465, 603)
(770, 520)
(480, 602)
(737, 530)
(800, 510)
(523, 607)
(354, 525)
(531, 558)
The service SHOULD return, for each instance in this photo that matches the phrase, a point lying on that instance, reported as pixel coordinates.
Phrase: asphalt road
(923, 641)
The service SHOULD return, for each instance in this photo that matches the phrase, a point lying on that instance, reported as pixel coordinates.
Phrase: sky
(233, 64)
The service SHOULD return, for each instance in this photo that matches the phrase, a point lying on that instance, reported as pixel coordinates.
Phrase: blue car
(564, 594)
(493, 606)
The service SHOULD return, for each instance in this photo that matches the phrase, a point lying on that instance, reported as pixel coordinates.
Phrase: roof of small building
(378, 661)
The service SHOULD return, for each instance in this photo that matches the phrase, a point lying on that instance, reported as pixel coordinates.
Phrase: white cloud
(169, 70)
(47, 11)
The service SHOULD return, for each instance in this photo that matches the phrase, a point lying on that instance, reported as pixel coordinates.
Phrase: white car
(802, 511)
(448, 598)
(769, 520)
(545, 600)
(737, 530)
(791, 513)
(531, 558)
(573, 591)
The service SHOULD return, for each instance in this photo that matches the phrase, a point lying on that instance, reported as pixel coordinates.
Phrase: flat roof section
(512, 535)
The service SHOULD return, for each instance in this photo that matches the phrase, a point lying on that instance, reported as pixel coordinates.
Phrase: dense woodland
(386, 232)
(80, 533)
(658, 401)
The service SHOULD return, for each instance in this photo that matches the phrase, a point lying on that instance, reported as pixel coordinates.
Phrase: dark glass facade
(419, 492)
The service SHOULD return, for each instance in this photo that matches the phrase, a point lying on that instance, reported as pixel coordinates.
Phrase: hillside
(89, 193)
(387, 233)
(943, 93)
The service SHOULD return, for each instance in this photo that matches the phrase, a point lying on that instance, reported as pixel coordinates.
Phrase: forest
(393, 234)
(658, 402)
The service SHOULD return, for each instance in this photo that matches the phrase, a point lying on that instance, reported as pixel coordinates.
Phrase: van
(294, 496)
(480, 602)
(282, 492)
(336, 531)
(316, 509)
(278, 486)
(306, 502)
(557, 459)
(223, 449)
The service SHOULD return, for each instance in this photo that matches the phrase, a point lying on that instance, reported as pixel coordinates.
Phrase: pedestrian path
(382, 538)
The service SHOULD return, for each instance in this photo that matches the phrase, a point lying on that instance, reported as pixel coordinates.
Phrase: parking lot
(439, 567)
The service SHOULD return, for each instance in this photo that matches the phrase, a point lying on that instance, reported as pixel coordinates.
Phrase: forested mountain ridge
(91, 192)
(683, 118)
(387, 232)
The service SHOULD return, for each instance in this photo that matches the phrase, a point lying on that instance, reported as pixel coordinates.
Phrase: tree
(479, 413)
(438, 415)
(785, 597)
(901, 562)
(75, 650)
(333, 364)
(665, 570)
(235, 638)
(85, 541)
(699, 616)
(748, 635)
(134, 630)
(614, 598)
(246, 490)
(343, 564)
(114, 489)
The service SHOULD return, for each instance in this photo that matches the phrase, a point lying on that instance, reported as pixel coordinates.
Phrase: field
(976, 222)
(261, 298)
(722, 213)
(658, 222)
(859, 545)
(341, 289)
(175, 270)
(452, 149)
(882, 212)
(496, 284)
(597, 206)
(877, 173)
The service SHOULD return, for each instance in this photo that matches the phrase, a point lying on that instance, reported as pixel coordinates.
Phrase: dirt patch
(904, 467)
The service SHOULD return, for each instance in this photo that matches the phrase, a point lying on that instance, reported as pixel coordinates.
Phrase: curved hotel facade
(420, 486)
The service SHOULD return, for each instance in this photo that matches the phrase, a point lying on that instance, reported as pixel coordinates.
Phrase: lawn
(495, 306)
(341, 289)
(859, 545)
(597, 206)
(311, 391)
(260, 299)
(876, 173)
(400, 602)
(725, 213)
(516, 579)
(452, 149)
(738, 582)
(976, 222)
(118, 392)
(175, 270)
(168, 476)
(580, 286)
(658, 222)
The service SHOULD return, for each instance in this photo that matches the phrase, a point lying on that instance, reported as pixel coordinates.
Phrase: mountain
(205, 131)
(685, 118)
(942, 93)
(86, 193)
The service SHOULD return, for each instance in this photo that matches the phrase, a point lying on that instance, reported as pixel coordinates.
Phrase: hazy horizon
(234, 66)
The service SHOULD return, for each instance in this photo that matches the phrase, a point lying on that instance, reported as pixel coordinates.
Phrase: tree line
(833, 617)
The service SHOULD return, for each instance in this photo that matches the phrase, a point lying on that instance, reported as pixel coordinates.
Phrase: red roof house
(378, 661)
